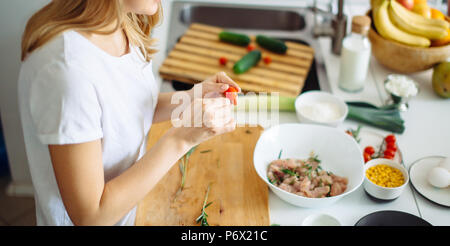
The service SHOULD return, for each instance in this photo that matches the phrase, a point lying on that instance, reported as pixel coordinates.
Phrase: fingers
(228, 127)
(222, 77)
(215, 88)
(217, 113)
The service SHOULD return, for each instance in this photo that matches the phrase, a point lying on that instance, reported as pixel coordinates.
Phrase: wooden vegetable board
(239, 196)
(196, 57)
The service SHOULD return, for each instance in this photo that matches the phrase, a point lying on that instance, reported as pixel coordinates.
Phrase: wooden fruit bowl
(403, 58)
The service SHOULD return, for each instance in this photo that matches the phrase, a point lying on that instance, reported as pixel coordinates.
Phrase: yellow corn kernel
(385, 176)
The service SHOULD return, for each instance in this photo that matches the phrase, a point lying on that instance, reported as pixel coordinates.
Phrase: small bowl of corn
(385, 179)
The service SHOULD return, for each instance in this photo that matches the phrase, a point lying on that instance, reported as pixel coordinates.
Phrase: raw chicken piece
(275, 172)
(288, 163)
(286, 187)
(305, 185)
(320, 192)
(306, 178)
(337, 189)
(326, 179)
(339, 179)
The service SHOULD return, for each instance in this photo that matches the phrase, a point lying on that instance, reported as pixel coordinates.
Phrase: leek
(250, 103)
(385, 117)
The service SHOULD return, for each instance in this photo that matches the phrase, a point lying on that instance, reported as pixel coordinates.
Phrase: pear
(441, 79)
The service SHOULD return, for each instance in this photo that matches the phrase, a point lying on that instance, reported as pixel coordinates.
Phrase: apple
(409, 4)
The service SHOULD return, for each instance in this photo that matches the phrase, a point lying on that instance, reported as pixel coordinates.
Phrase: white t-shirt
(71, 91)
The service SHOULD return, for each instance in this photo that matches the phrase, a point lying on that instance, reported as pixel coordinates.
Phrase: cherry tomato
(231, 94)
(392, 146)
(250, 47)
(389, 152)
(390, 139)
(267, 60)
(367, 157)
(223, 61)
(369, 150)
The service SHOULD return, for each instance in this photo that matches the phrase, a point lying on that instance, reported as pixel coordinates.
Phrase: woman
(88, 98)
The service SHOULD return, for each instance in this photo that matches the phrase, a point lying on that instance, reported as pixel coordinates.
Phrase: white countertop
(427, 133)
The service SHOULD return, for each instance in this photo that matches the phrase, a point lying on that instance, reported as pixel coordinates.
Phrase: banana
(388, 30)
(411, 17)
(427, 31)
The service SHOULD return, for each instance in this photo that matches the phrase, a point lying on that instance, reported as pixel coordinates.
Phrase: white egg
(439, 177)
(445, 164)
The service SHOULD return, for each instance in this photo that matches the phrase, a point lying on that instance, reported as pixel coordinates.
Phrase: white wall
(13, 17)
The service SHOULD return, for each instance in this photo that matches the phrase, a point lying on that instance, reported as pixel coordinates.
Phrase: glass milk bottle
(355, 56)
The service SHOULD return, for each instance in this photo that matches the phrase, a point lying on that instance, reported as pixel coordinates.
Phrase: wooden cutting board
(196, 57)
(239, 196)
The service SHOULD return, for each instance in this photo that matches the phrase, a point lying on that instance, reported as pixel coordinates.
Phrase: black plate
(391, 218)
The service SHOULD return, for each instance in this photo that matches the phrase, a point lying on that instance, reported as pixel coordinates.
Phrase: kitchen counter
(427, 131)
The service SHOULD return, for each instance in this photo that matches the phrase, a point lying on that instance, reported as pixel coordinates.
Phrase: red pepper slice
(231, 94)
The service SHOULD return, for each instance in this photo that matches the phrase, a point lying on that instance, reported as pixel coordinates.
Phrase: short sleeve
(64, 106)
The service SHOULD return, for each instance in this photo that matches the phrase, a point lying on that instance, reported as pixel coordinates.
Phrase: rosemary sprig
(203, 218)
(315, 158)
(380, 152)
(290, 172)
(355, 133)
(183, 165)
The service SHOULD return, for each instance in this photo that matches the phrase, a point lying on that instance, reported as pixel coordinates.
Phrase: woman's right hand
(205, 118)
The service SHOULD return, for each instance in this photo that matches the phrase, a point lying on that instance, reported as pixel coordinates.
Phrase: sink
(285, 23)
(243, 18)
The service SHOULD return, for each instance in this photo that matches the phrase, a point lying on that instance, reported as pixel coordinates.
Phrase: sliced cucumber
(271, 44)
(245, 63)
(234, 38)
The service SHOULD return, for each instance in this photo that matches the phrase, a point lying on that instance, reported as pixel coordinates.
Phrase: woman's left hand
(214, 86)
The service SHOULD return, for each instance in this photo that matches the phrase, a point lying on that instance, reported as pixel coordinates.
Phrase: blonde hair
(88, 16)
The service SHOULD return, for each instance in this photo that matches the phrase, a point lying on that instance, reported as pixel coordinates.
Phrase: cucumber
(245, 63)
(271, 44)
(234, 38)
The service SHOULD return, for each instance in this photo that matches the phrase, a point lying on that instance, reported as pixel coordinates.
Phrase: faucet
(328, 24)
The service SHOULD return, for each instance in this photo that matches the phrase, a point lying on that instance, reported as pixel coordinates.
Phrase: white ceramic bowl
(312, 97)
(380, 192)
(320, 220)
(338, 152)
